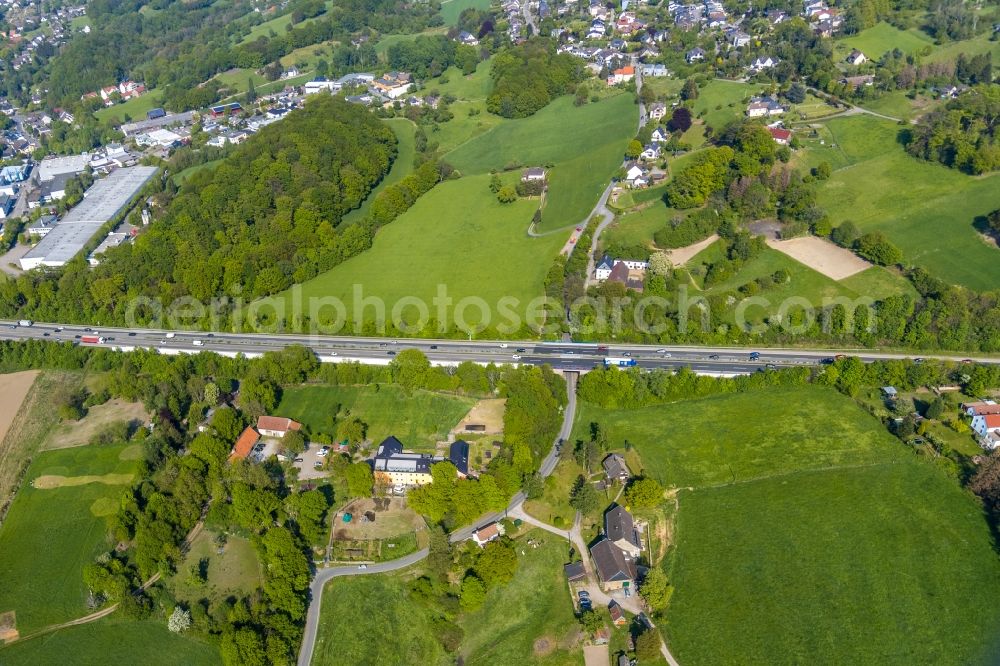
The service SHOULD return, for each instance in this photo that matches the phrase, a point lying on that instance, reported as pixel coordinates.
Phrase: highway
(562, 356)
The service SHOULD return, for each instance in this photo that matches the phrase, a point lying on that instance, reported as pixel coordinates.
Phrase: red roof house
(244, 445)
(780, 135)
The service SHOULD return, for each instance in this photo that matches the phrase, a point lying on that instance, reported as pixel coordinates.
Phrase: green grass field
(418, 419)
(881, 38)
(926, 209)
(401, 167)
(807, 534)
(237, 81)
(450, 9)
(355, 606)
(555, 135)
(134, 108)
(535, 605)
(728, 95)
(113, 640)
(889, 564)
(277, 25)
(741, 437)
(236, 572)
(458, 237)
(970, 47)
(49, 535)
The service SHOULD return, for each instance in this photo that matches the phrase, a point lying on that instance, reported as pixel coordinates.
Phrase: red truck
(92, 339)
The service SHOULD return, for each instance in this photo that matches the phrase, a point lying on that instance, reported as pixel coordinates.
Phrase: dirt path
(681, 255)
(104, 612)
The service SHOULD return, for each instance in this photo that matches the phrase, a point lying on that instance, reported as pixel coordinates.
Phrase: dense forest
(529, 76)
(965, 134)
(266, 217)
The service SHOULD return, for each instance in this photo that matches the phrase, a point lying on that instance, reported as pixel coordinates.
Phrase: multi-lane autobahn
(562, 356)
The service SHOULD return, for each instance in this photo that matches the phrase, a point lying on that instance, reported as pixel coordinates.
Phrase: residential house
(229, 109)
(656, 70)
(393, 84)
(42, 226)
(636, 177)
(467, 38)
(620, 529)
(291, 73)
(244, 444)
(621, 75)
(985, 407)
(856, 82)
(657, 110)
(650, 152)
(983, 424)
(739, 39)
(780, 135)
(761, 63)
(276, 426)
(659, 135)
(7, 203)
(764, 106)
(399, 468)
(617, 614)
(694, 55)
(615, 468)
(490, 532)
(632, 279)
(615, 568)
(856, 58)
(890, 392)
(533, 175)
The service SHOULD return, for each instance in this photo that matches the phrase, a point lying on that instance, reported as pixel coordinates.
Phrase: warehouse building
(104, 200)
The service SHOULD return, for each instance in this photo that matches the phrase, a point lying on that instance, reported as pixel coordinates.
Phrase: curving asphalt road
(325, 575)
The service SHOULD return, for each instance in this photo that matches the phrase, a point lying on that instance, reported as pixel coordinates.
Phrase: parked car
(362, 566)
(583, 594)
(298, 460)
(516, 357)
(322, 453)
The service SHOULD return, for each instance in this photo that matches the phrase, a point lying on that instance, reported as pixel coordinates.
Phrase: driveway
(307, 468)
(12, 257)
(596, 655)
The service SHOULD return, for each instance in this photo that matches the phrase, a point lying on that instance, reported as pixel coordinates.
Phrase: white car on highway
(516, 357)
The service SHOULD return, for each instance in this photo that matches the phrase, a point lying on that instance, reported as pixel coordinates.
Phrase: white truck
(25, 322)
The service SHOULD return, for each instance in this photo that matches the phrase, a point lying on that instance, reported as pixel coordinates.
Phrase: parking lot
(310, 457)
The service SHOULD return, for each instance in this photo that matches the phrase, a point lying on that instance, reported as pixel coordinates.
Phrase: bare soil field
(822, 256)
(14, 388)
(488, 412)
(78, 433)
(681, 255)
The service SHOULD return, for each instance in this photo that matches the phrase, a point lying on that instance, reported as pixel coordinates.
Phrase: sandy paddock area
(821, 255)
(681, 255)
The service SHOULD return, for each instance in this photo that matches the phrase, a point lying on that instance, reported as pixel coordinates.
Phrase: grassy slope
(883, 565)
(536, 604)
(49, 535)
(182, 176)
(418, 419)
(112, 640)
(880, 38)
(401, 167)
(135, 108)
(456, 235)
(450, 9)
(352, 607)
(917, 204)
(721, 439)
(727, 94)
(805, 282)
(236, 572)
(561, 134)
(806, 534)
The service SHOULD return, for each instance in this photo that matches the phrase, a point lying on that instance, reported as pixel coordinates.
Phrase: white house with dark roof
(620, 529)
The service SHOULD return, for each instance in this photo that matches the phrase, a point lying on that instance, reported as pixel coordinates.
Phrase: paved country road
(325, 575)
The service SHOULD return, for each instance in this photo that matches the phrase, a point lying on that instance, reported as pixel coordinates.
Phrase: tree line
(528, 76)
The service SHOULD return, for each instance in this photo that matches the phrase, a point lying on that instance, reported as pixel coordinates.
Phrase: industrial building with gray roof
(105, 199)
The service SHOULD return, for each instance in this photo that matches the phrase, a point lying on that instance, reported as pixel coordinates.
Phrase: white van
(169, 335)
(198, 343)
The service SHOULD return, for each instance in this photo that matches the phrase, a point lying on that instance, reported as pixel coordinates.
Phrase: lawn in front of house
(530, 620)
(233, 572)
(134, 109)
(419, 418)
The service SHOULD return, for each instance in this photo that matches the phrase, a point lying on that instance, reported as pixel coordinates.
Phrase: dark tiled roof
(574, 571)
(611, 563)
(458, 454)
(618, 524)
